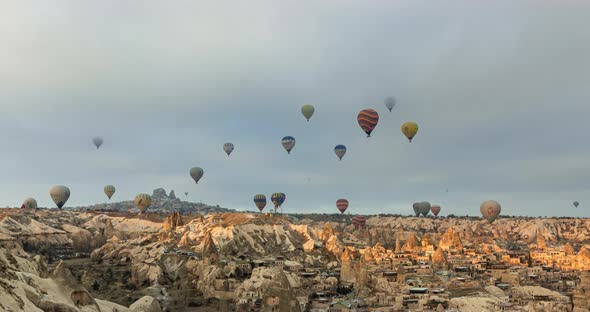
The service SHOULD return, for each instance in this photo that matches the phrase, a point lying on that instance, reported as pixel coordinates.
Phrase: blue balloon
(340, 150)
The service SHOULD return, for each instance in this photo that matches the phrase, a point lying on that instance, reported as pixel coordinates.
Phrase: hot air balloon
(97, 142)
(576, 204)
(29, 203)
(288, 143)
(307, 111)
(490, 210)
(424, 208)
(260, 201)
(143, 202)
(359, 221)
(409, 129)
(368, 119)
(342, 205)
(228, 148)
(186, 194)
(340, 150)
(390, 103)
(278, 199)
(60, 195)
(416, 207)
(435, 210)
(196, 173)
(109, 190)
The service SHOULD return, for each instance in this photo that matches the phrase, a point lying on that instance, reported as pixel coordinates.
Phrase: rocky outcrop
(172, 221)
(160, 202)
(568, 250)
(159, 194)
(427, 241)
(439, 259)
(244, 234)
(270, 283)
(82, 239)
(581, 296)
(582, 260)
(541, 243)
(22, 289)
(411, 244)
(327, 233)
(146, 304)
(450, 241)
(208, 248)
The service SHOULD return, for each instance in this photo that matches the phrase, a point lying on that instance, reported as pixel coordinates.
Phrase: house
(292, 266)
(341, 306)
(418, 290)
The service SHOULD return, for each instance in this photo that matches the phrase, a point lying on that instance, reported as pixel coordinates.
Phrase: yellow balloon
(143, 202)
(409, 129)
(109, 190)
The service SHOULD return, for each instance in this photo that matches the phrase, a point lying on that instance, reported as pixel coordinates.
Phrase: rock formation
(146, 304)
(398, 246)
(172, 221)
(160, 202)
(410, 244)
(208, 249)
(568, 250)
(439, 259)
(450, 241)
(581, 296)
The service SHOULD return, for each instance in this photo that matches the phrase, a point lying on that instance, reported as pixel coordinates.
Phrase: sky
(500, 90)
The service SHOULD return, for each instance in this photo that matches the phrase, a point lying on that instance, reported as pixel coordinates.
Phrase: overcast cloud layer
(500, 90)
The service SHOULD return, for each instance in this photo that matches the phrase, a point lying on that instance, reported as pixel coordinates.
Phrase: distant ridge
(161, 202)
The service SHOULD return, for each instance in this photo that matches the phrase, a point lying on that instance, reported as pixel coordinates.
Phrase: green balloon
(307, 111)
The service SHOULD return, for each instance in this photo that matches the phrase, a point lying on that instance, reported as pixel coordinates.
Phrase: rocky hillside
(183, 260)
(26, 285)
(386, 230)
(161, 202)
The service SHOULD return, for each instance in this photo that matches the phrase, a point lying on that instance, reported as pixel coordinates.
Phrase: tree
(95, 285)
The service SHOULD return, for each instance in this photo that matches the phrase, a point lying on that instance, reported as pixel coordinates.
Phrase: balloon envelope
(435, 210)
(196, 173)
(288, 143)
(260, 201)
(409, 129)
(278, 199)
(368, 119)
(342, 205)
(29, 203)
(60, 195)
(490, 210)
(143, 202)
(359, 221)
(416, 208)
(340, 150)
(424, 208)
(228, 148)
(109, 190)
(576, 204)
(307, 111)
(97, 142)
(390, 103)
